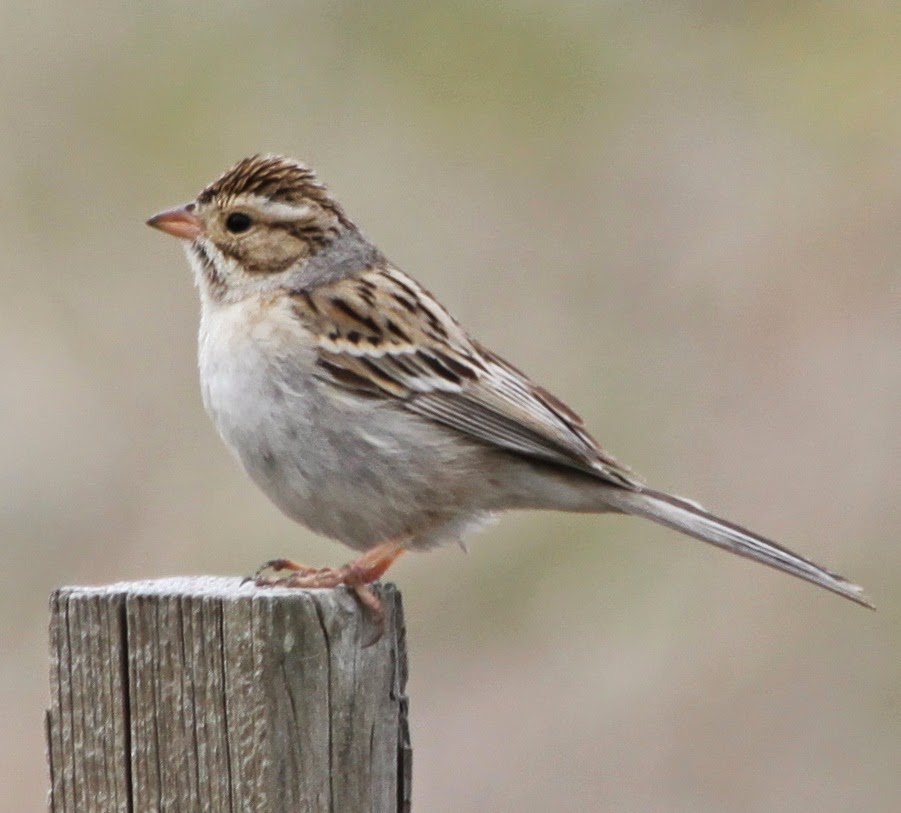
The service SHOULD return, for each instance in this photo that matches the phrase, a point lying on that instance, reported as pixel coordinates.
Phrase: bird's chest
(255, 364)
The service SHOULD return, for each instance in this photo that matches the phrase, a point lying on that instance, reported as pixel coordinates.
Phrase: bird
(367, 413)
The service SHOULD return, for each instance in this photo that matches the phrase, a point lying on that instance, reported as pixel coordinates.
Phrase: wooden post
(199, 694)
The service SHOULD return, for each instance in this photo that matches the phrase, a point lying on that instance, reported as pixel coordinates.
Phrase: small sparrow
(364, 410)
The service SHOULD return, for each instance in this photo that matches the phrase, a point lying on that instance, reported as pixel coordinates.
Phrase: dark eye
(237, 222)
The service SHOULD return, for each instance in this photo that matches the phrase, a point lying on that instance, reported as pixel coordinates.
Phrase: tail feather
(691, 519)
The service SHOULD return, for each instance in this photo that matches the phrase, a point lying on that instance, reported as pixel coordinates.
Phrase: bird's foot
(358, 575)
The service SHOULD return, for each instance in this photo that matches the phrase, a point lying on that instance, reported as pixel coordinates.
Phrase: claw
(276, 565)
(372, 605)
(358, 575)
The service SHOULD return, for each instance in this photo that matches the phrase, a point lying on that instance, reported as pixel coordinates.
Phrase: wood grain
(202, 694)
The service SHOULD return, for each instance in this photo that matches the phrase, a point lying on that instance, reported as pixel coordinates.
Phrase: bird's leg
(358, 575)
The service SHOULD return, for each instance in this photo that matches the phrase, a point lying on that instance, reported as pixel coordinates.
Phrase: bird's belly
(355, 468)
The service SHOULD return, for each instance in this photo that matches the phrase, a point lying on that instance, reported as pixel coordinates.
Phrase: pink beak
(179, 222)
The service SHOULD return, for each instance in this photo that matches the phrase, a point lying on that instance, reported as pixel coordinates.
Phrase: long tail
(690, 519)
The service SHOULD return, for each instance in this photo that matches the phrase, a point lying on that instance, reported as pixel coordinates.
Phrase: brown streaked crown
(275, 177)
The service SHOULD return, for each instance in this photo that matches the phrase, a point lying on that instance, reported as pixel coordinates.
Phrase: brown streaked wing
(374, 338)
(503, 407)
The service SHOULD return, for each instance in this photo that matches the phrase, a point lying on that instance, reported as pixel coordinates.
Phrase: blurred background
(683, 218)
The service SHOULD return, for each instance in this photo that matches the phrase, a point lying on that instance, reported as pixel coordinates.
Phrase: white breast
(252, 355)
(356, 468)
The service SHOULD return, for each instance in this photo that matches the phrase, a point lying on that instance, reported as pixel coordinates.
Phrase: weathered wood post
(199, 694)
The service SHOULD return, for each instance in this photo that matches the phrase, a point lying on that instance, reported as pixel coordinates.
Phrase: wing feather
(379, 332)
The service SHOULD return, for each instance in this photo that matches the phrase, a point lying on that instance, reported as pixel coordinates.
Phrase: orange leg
(358, 575)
